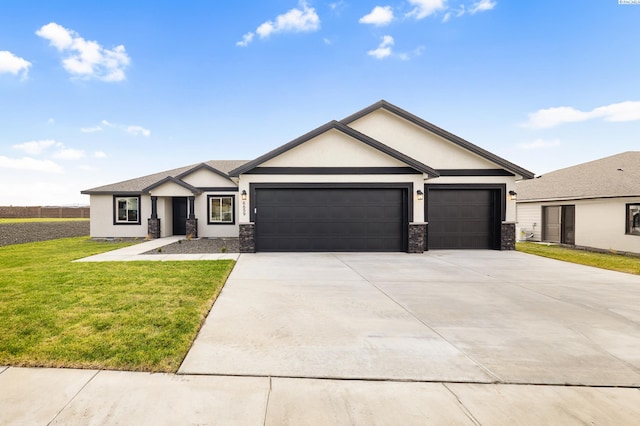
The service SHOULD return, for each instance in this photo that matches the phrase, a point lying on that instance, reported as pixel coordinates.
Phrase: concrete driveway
(444, 316)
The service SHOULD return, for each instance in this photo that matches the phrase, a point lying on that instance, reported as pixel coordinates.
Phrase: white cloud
(138, 130)
(384, 49)
(106, 123)
(379, 16)
(51, 121)
(36, 147)
(551, 117)
(86, 168)
(301, 19)
(31, 164)
(91, 129)
(482, 6)
(12, 64)
(424, 8)
(100, 154)
(69, 154)
(86, 59)
(246, 39)
(539, 144)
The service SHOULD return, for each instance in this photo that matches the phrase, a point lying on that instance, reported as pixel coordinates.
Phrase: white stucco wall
(600, 223)
(204, 178)
(215, 230)
(102, 215)
(417, 142)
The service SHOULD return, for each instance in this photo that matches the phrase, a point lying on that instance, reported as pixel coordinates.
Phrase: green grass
(139, 316)
(39, 219)
(612, 261)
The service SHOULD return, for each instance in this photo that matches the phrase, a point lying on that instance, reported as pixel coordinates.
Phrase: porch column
(192, 221)
(153, 223)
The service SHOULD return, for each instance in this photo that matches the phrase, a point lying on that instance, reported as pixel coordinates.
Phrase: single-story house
(592, 205)
(381, 179)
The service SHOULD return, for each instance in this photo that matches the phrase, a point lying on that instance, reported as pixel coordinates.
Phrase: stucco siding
(170, 189)
(333, 149)
(215, 230)
(204, 178)
(417, 142)
(102, 216)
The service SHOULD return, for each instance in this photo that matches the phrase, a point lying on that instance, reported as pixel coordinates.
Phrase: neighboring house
(382, 179)
(591, 205)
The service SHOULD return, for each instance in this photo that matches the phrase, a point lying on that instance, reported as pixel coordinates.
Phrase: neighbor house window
(221, 209)
(127, 210)
(633, 219)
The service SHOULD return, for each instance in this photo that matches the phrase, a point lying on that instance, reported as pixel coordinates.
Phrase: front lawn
(615, 262)
(140, 316)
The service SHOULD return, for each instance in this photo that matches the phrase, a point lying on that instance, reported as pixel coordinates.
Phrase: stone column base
(192, 228)
(247, 238)
(508, 236)
(153, 228)
(417, 237)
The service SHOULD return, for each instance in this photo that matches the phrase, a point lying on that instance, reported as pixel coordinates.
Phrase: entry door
(179, 215)
(551, 217)
(568, 227)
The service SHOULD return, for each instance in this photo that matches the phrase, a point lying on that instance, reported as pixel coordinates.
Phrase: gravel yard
(200, 245)
(28, 232)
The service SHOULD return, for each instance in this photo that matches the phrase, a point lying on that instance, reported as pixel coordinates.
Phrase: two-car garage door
(311, 219)
(331, 219)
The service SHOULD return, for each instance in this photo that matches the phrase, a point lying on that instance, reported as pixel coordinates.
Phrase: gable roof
(382, 104)
(336, 125)
(614, 176)
(139, 185)
(178, 182)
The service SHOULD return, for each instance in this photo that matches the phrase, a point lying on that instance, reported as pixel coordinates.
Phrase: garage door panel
(330, 219)
(461, 218)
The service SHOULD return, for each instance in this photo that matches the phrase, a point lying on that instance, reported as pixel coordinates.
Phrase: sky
(93, 93)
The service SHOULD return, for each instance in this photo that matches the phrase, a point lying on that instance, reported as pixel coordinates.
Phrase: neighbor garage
(331, 219)
(463, 218)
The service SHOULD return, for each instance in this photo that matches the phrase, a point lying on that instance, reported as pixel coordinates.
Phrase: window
(221, 210)
(633, 219)
(126, 210)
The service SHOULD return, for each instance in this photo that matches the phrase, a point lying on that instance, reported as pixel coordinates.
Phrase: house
(381, 179)
(592, 205)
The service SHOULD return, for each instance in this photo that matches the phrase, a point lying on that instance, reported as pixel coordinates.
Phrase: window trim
(233, 209)
(115, 210)
(628, 219)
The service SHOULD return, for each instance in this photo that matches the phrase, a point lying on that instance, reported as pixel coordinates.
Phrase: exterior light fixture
(244, 195)
(420, 194)
(513, 195)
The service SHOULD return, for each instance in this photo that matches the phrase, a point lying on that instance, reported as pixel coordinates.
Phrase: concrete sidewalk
(41, 396)
(135, 253)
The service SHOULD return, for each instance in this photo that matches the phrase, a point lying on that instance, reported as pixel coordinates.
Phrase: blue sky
(98, 92)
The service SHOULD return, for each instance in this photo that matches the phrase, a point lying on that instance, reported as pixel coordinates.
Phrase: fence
(44, 211)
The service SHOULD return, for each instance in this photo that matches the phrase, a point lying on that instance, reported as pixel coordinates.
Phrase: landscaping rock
(200, 245)
(18, 233)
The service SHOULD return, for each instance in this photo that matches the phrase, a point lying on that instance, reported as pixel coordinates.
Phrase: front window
(633, 219)
(127, 210)
(221, 210)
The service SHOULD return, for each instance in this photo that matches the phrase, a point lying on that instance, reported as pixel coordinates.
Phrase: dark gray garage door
(462, 218)
(330, 219)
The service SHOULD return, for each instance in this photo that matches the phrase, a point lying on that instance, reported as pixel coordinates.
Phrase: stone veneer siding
(153, 228)
(192, 228)
(508, 236)
(417, 237)
(247, 238)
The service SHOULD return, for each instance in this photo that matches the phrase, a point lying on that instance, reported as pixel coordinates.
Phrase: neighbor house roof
(457, 140)
(336, 125)
(139, 185)
(615, 176)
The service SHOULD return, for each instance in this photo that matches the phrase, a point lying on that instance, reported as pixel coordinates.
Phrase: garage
(312, 219)
(463, 218)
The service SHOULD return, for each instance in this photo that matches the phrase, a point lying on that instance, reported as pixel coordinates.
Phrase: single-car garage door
(330, 219)
(463, 218)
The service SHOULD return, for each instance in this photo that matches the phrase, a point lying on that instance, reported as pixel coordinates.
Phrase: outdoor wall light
(513, 195)
(420, 194)
(244, 195)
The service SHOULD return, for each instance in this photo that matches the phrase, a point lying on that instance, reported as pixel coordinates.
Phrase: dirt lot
(17, 233)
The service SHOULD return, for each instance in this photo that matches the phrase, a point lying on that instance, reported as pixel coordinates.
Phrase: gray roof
(615, 176)
(138, 185)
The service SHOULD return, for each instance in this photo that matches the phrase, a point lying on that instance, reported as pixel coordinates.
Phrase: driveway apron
(451, 316)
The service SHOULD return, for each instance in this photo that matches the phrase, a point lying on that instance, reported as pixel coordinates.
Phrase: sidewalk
(135, 252)
(43, 396)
